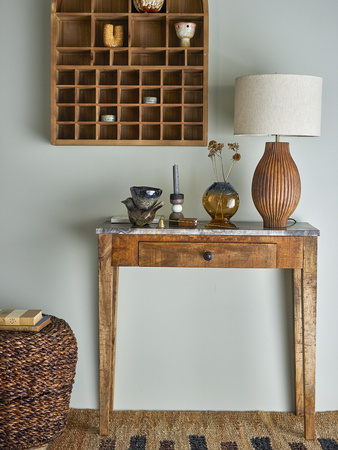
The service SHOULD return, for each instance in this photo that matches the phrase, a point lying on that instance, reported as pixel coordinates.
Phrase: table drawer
(185, 254)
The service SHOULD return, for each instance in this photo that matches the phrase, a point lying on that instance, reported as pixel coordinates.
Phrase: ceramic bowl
(148, 6)
(108, 118)
(185, 31)
(150, 100)
(144, 196)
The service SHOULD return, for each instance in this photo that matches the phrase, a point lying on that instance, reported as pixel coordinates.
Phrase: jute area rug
(196, 430)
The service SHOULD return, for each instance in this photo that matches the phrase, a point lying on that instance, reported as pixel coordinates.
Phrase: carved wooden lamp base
(276, 185)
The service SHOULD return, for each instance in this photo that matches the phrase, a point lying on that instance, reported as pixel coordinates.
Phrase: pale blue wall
(187, 339)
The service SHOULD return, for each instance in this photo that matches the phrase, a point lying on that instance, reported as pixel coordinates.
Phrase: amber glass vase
(220, 201)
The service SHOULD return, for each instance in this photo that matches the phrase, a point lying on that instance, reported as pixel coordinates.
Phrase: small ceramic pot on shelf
(185, 31)
(108, 118)
(148, 6)
(112, 35)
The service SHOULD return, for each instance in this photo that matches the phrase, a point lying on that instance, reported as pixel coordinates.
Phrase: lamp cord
(294, 221)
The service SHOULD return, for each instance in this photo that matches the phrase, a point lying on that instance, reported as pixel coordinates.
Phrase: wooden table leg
(298, 340)
(309, 330)
(105, 327)
(114, 323)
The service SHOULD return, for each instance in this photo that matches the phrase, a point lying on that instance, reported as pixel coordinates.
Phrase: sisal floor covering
(196, 430)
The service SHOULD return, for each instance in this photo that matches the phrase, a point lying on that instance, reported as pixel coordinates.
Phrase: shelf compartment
(151, 132)
(108, 77)
(193, 96)
(120, 58)
(102, 58)
(193, 77)
(65, 114)
(108, 131)
(151, 113)
(73, 6)
(148, 32)
(195, 58)
(172, 96)
(151, 78)
(148, 58)
(111, 6)
(185, 6)
(130, 114)
(101, 22)
(65, 77)
(65, 131)
(73, 58)
(74, 31)
(108, 96)
(104, 110)
(195, 41)
(130, 78)
(193, 114)
(172, 77)
(86, 78)
(130, 132)
(87, 114)
(151, 93)
(86, 95)
(176, 58)
(193, 132)
(65, 95)
(87, 131)
(172, 114)
(172, 132)
(130, 96)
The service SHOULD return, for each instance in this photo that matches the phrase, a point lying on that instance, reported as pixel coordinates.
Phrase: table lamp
(275, 105)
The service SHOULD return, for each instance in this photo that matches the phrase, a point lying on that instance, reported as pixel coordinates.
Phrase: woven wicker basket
(37, 372)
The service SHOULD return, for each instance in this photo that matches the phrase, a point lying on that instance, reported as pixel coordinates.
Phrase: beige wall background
(187, 338)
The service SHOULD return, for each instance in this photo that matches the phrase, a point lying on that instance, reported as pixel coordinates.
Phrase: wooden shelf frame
(89, 80)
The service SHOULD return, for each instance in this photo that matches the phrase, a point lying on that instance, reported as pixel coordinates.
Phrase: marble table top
(244, 229)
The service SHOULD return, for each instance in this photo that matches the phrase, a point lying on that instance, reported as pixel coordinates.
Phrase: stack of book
(22, 320)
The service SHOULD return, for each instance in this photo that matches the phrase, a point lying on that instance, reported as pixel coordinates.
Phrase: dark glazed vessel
(145, 196)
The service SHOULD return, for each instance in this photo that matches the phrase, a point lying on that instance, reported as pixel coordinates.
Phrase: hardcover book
(20, 316)
(41, 324)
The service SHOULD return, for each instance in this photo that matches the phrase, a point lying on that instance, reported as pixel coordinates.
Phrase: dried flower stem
(215, 167)
(215, 149)
(221, 157)
(228, 174)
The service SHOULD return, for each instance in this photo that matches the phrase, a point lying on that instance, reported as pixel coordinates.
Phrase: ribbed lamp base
(276, 185)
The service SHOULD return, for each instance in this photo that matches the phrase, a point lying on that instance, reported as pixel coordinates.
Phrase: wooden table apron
(248, 247)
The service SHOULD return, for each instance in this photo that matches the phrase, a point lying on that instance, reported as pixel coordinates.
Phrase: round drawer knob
(207, 256)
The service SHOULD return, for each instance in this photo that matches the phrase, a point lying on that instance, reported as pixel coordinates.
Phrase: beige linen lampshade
(271, 105)
(274, 105)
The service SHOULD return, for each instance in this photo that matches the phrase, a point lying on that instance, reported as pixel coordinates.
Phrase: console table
(249, 246)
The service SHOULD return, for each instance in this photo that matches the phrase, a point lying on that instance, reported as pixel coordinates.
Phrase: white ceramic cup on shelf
(185, 31)
(108, 118)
